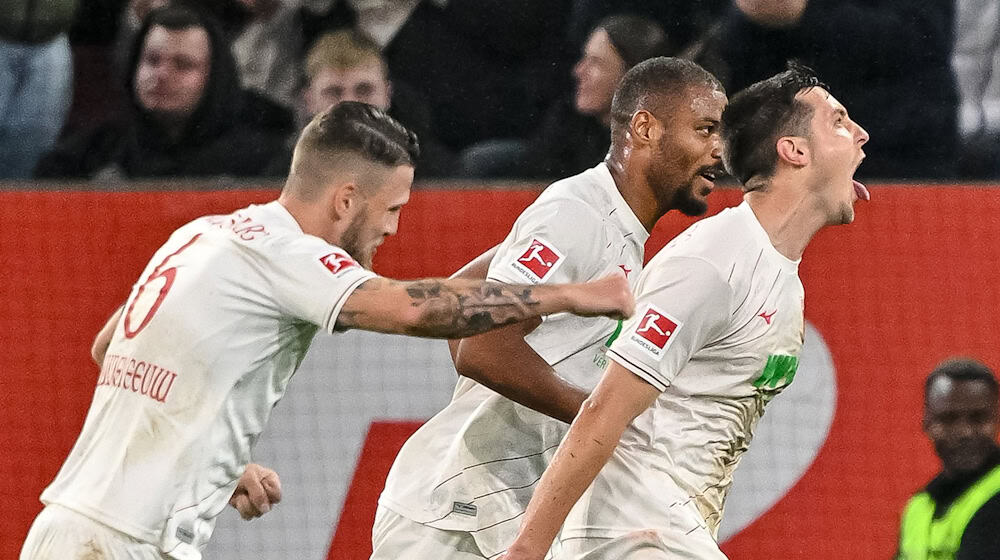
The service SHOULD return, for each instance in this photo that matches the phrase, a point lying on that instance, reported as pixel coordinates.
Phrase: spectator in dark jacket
(186, 118)
(575, 132)
(888, 60)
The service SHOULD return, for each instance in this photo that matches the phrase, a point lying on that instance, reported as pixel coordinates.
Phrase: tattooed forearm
(458, 311)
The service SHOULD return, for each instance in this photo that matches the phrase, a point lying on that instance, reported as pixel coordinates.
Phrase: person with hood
(186, 113)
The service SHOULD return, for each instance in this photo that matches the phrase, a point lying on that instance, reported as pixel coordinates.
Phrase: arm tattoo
(468, 310)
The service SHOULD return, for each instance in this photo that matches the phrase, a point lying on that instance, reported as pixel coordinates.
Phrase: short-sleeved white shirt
(718, 330)
(211, 334)
(473, 466)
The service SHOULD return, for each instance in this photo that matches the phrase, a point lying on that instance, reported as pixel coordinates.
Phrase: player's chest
(760, 352)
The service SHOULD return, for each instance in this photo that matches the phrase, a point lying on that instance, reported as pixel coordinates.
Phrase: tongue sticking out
(862, 191)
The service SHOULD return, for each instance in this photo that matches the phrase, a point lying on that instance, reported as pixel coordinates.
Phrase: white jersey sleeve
(560, 240)
(312, 279)
(681, 305)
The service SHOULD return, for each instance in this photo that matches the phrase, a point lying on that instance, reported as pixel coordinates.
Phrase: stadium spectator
(188, 381)
(575, 132)
(956, 516)
(683, 22)
(888, 60)
(186, 115)
(347, 66)
(269, 48)
(36, 81)
(976, 62)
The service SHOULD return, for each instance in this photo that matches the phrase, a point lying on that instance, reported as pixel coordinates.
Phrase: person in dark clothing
(956, 516)
(187, 115)
(575, 132)
(889, 60)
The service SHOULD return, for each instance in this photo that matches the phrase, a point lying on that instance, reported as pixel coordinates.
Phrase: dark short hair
(635, 38)
(365, 130)
(647, 84)
(963, 369)
(757, 116)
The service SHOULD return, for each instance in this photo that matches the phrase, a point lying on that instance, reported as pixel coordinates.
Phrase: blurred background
(120, 120)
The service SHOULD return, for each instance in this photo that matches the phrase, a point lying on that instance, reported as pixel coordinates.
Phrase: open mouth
(860, 190)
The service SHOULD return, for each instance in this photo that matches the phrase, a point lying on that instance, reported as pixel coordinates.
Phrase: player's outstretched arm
(616, 401)
(457, 308)
(103, 339)
(476, 269)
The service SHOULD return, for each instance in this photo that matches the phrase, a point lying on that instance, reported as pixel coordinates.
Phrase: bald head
(654, 85)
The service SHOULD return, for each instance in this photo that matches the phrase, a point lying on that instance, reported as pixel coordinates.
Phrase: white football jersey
(473, 466)
(718, 329)
(210, 336)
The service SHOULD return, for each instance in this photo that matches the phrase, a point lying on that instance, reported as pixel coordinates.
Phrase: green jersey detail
(779, 370)
(614, 335)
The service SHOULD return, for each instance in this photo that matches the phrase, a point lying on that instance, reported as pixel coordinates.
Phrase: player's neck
(789, 216)
(309, 219)
(635, 190)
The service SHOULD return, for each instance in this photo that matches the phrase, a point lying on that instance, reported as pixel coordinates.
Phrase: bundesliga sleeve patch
(539, 261)
(336, 262)
(655, 331)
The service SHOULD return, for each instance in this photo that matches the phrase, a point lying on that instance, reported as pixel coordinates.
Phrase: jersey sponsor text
(138, 376)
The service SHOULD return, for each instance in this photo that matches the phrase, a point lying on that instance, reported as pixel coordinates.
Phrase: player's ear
(644, 127)
(343, 200)
(793, 150)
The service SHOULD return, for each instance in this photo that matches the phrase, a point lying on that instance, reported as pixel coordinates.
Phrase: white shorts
(59, 533)
(648, 544)
(395, 537)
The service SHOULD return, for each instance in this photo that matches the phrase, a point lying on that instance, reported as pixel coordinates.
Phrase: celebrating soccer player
(460, 484)
(645, 467)
(221, 318)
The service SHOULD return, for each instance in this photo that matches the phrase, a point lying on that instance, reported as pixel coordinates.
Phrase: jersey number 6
(168, 275)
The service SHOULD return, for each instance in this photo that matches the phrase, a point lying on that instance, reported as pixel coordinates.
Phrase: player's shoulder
(721, 240)
(583, 190)
(263, 229)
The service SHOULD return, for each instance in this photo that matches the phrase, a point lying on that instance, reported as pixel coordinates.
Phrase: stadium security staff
(956, 516)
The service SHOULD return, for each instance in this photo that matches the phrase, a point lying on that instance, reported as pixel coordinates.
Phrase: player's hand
(256, 492)
(609, 296)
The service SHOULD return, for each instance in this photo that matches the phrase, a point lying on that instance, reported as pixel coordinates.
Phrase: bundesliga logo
(538, 261)
(654, 331)
(336, 262)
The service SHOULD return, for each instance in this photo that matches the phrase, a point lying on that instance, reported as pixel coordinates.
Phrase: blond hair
(342, 50)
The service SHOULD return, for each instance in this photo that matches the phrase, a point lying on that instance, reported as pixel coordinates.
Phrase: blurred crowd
(113, 90)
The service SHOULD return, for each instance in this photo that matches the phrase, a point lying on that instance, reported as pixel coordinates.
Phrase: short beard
(350, 241)
(685, 201)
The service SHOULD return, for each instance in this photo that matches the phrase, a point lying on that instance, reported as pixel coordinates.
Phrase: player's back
(213, 330)
(473, 466)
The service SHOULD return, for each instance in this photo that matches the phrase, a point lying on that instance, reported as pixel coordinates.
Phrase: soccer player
(221, 318)
(719, 326)
(460, 483)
